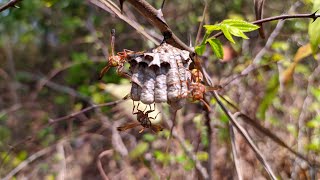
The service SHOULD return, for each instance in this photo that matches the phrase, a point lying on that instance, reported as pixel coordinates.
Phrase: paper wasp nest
(160, 76)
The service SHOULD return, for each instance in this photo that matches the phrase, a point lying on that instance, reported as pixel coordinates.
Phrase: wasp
(117, 60)
(197, 89)
(143, 120)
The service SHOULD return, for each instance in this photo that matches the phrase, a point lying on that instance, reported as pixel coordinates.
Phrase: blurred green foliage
(68, 40)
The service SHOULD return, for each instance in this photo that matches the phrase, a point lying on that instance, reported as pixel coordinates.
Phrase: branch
(155, 17)
(29, 160)
(191, 155)
(11, 3)
(246, 136)
(254, 123)
(313, 16)
(99, 164)
(110, 7)
(88, 109)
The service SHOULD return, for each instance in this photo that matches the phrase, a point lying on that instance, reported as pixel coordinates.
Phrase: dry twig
(88, 109)
(11, 3)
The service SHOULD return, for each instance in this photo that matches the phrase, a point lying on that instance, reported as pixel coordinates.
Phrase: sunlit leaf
(202, 156)
(227, 34)
(141, 148)
(211, 28)
(200, 49)
(314, 123)
(314, 29)
(315, 144)
(242, 25)
(302, 52)
(149, 137)
(216, 47)
(237, 32)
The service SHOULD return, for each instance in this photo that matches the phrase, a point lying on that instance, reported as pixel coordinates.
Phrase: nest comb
(160, 75)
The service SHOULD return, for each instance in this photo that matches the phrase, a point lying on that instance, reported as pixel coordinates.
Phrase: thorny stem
(313, 16)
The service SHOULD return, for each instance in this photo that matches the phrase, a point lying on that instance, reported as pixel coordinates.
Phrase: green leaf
(200, 49)
(216, 47)
(315, 144)
(270, 94)
(225, 31)
(242, 25)
(211, 28)
(140, 149)
(149, 137)
(237, 32)
(202, 156)
(314, 29)
(314, 123)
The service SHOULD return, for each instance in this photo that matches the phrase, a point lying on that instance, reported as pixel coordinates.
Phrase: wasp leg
(127, 76)
(141, 130)
(151, 110)
(206, 104)
(103, 71)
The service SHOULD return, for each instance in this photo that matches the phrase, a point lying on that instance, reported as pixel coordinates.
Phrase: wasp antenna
(156, 115)
(206, 104)
(162, 5)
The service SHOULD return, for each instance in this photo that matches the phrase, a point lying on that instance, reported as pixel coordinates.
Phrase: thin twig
(235, 153)
(211, 158)
(11, 3)
(302, 117)
(153, 16)
(201, 23)
(9, 110)
(108, 5)
(246, 136)
(313, 16)
(173, 116)
(63, 166)
(26, 162)
(99, 164)
(55, 86)
(192, 156)
(269, 42)
(45, 81)
(88, 109)
(265, 131)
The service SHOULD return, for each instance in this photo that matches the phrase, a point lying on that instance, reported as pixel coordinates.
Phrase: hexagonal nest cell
(160, 75)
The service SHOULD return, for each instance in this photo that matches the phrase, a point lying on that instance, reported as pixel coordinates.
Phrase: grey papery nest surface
(160, 75)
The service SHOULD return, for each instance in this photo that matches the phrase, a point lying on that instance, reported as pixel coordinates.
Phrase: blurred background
(51, 53)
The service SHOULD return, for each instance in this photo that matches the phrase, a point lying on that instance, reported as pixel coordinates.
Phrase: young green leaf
(240, 24)
(225, 31)
(314, 29)
(200, 49)
(237, 32)
(216, 47)
(211, 28)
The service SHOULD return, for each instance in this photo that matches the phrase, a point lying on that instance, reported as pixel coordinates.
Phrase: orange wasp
(143, 120)
(117, 60)
(197, 89)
